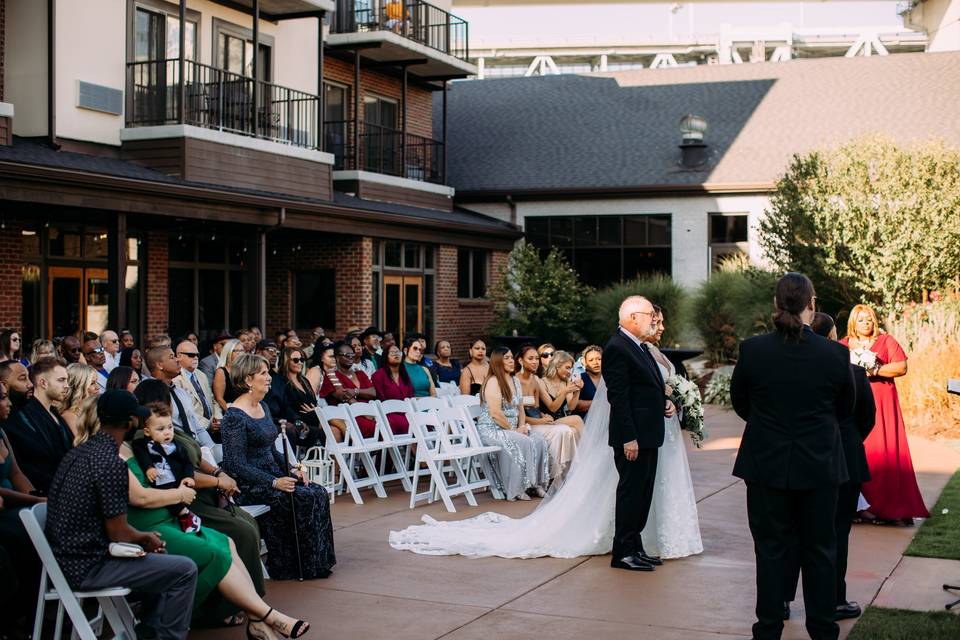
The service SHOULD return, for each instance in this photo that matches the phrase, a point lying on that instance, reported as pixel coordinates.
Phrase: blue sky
(643, 20)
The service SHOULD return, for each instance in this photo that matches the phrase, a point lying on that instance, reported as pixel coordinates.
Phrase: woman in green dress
(211, 483)
(218, 566)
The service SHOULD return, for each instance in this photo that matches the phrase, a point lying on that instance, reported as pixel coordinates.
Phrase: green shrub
(603, 306)
(734, 304)
(539, 296)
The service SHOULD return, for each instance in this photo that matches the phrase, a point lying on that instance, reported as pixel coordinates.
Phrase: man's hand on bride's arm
(631, 450)
(670, 409)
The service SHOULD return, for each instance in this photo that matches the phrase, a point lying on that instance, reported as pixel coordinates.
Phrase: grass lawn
(899, 624)
(939, 537)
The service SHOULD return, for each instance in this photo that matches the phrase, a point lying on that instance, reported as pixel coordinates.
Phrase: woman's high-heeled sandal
(300, 627)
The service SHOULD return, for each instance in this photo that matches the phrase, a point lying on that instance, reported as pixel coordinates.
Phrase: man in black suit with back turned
(638, 405)
(793, 388)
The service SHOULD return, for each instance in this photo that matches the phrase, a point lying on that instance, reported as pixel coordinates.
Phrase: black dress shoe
(631, 563)
(786, 610)
(847, 610)
(643, 557)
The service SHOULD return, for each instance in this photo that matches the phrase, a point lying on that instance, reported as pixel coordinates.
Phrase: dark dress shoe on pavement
(847, 610)
(631, 563)
(786, 610)
(643, 557)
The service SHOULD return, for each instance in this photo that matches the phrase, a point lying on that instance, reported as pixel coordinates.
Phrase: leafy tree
(539, 296)
(869, 221)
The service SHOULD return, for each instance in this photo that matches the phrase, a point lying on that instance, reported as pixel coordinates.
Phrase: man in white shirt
(196, 385)
(110, 342)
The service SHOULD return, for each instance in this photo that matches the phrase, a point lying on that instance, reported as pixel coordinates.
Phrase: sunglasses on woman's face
(296, 360)
(546, 354)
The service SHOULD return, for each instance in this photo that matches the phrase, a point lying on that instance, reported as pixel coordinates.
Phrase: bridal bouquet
(686, 396)
(864, 358)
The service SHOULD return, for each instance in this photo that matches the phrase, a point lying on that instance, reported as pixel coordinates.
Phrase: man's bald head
(188, 355)
(636, 316)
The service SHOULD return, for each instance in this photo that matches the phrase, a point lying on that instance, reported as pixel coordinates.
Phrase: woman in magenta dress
(392, 382)
(892, 491)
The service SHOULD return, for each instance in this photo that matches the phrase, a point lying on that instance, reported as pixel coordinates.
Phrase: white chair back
(446, 389)
(353, 448)
(470, 403)
(429, 403)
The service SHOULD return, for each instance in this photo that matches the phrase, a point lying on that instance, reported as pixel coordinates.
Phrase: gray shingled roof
(620, 130)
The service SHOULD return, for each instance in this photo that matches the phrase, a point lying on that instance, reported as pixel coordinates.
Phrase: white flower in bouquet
(686, 396)
(864, 358)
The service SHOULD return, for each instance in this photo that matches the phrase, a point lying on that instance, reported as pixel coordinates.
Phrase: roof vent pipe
(693, 151)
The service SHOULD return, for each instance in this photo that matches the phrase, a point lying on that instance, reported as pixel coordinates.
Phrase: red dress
(387, 389)
(892, 491)
(367, 426)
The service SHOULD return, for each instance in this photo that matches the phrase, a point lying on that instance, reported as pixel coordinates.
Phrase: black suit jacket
(855, 428)
(793, 395)
(178, 460)
(636, 393)
(39, 442)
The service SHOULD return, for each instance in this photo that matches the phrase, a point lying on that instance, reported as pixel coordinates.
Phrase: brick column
(157, 283)
(11, 273)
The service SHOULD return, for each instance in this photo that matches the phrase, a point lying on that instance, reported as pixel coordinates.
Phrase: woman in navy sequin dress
(249, 455)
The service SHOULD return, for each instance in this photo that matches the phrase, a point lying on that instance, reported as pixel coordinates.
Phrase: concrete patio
(376, 592)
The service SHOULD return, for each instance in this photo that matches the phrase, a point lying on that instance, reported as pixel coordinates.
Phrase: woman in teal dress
(420, 376)
(218, 565)
(19, 564)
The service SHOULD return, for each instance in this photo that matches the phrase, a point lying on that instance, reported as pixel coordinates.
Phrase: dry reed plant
(930, 334)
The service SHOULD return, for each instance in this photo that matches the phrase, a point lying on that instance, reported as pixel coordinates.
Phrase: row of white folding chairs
(447, 444)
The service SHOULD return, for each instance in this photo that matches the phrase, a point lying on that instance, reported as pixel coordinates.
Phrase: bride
(578, 519)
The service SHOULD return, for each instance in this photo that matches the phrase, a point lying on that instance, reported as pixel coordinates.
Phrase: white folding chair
(435, 450)
(112, 602)
(429, 403)
(464, 435)
(381, 441)
(470, 403)
(352, 448)
(402, 441)
(446, 389)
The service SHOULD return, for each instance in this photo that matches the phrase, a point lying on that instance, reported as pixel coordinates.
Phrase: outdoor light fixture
(693, 151)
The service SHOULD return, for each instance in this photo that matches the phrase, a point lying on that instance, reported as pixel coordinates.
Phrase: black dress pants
(634, 497)
(782, 520)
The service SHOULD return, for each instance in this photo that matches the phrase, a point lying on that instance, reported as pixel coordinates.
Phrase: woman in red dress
(355, 386)
(392, 382)
(892, 491)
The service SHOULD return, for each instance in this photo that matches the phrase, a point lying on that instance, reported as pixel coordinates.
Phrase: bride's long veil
(575, 520)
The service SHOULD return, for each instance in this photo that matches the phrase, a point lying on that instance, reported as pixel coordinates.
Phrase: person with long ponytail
(793, 388)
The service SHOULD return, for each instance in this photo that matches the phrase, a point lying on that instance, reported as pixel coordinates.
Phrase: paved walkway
(376, 592)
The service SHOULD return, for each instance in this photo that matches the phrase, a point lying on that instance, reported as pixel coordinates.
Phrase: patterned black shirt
(90, 488)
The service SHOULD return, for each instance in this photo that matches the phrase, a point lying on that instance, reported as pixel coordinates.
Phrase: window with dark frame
(729, 237)
(606, 249)
(154, 31)
(314, 298)
(472, 273)
(233, 50)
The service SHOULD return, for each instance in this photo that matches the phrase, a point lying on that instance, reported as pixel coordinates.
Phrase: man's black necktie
(184, 419)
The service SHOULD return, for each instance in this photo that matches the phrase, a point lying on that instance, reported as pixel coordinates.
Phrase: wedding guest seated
(476, 371)
(70, 350)
(215, 506)
(392, 382)
(592, 359)
(419, 374)
(123, 378)
(546, 351)
(299, 399)
(219, 567)
(196, 387)
(110, 342)
(223, 390)
(445, 368)
(324, 371)
(353, 339)
(371, 358)
(37, 432)
(11, 347)
(82, 384)
(132, 357)
(41, 349)
(16, 493)
(278, 384)
(354, 386)
(562, 438)
(165, 367)
(16, 378)
(560, 392)
(210, 361)
(523, 462)
(248, 341)
(95, 356)
(126, 339)
(190, 336)
(266, 478)
(87, 510)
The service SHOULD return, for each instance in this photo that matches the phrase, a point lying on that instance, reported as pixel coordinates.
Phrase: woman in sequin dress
(523, 462)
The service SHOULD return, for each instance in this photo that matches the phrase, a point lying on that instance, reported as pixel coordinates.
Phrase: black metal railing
(218, 99)
(415, 20)
(384, 150)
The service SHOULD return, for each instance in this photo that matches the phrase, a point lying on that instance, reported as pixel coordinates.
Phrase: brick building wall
(3, 43)
(157, 278)
(420, 101)
(351, 258)
(461, 321)
(11, 273)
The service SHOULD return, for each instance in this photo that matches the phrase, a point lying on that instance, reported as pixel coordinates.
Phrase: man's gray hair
(630, 306)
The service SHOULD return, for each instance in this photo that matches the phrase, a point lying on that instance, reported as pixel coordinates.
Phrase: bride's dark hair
(794, 294)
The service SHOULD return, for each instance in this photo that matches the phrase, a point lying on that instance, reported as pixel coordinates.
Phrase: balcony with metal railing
(385, 151)
(400, 30)
(212, 98)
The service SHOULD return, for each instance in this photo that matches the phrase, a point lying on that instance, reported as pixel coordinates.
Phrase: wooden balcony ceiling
(284, 7)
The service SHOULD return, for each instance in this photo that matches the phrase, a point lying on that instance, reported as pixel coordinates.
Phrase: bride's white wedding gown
(577, 519)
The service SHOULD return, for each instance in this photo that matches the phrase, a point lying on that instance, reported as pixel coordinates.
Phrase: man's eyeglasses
(546, 354)
(189, 355)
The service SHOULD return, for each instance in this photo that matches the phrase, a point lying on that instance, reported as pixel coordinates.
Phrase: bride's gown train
(578, 519)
